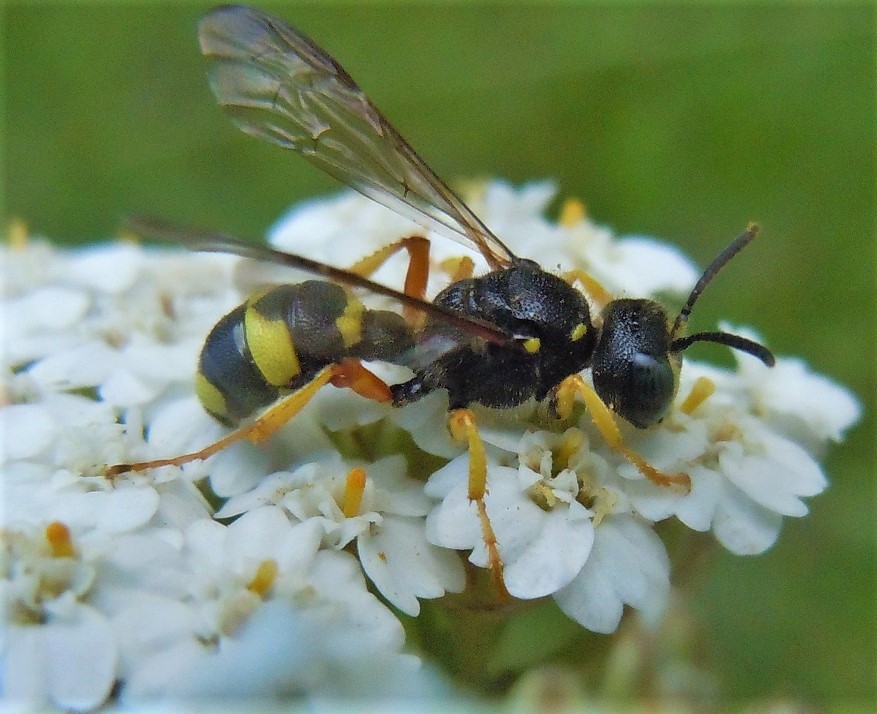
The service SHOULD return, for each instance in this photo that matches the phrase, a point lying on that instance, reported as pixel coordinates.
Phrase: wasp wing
(276, 84)
(210, 241)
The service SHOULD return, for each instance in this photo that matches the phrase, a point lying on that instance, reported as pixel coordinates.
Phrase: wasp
(500, 339)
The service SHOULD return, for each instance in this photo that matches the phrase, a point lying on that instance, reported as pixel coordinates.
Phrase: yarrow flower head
(278, 567)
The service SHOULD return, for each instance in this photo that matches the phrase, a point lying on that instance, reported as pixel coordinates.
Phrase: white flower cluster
(245, 574)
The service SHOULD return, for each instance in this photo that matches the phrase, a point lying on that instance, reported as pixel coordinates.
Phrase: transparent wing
(209, 241)
(276, 84)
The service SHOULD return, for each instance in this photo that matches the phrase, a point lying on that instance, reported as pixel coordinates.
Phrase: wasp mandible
(514, 334)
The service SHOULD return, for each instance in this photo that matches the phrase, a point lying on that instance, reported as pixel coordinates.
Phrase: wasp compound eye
(639, 388)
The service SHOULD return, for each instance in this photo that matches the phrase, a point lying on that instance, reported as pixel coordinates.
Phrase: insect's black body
(549, 318)
(278, 340)
(500, 339)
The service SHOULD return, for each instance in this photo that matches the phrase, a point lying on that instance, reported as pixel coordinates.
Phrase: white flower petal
(454, 522)
(163, 363)
(628, 565)
(403, 566)
(651, 267)
(116, 511)
(51, 308)
(25, 430)
(743, 526)
(790, 389)
(80, 659)
(776, 479)
(541, 551)
(110, 269)
(422, 419)
(394, 492)
(150, 675)
(697, 510)
(181, 426)
(180, 503)
(256, 534)
(448, 478)
(268, 492)
(123, 389)
(148, 622)
(84, 366)
(594, 605)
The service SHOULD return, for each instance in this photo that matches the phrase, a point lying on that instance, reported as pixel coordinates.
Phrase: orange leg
(609, 431)
(464, 428)
(418, 269)
(349, 373)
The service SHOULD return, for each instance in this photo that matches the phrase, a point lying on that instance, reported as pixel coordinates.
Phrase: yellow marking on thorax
(349, 323)
(578, 332)
(271, 346)
(532, 345)
(210, 396)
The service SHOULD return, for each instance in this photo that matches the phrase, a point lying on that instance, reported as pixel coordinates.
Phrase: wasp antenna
(725, 338)
(713, 268)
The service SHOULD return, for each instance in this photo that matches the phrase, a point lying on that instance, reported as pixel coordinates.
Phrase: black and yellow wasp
(514, 334)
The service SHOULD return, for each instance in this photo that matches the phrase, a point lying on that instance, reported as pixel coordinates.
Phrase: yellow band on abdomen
(210, 396)
(271, 347)
(349, 323)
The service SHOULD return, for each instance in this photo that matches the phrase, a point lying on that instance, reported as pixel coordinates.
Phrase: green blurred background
(684, 122)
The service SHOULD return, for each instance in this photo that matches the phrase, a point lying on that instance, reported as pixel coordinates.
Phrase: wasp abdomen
(279, 339)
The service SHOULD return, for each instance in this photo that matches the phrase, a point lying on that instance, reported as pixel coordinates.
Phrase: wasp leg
(349, 373)
(418, 269)
(609, 430)
(594, 290)
(463, 428)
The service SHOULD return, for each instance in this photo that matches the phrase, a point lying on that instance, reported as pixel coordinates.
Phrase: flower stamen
(58, 537)
(353, 490)
(572, 212)
(571, 443)
(600, 295)
(458, 268)
(264, 578)
(17, 234)
(700, 392)
(604, 502)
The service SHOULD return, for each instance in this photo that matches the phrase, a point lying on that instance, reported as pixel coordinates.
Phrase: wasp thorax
(633, 370)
